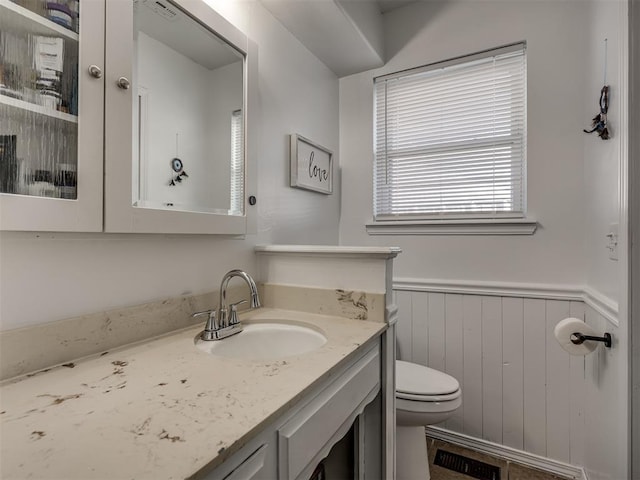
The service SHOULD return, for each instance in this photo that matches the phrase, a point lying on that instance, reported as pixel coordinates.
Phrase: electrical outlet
(612, 241)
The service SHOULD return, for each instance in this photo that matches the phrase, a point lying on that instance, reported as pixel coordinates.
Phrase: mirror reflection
(189, 121)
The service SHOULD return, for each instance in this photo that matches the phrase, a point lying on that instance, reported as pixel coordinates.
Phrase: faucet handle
(233, 312)
(211, 324)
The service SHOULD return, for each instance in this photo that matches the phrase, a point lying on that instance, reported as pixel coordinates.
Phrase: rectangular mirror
(188, 114)
(178, 97)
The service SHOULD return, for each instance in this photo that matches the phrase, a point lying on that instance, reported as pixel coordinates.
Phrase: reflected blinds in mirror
(237, 164)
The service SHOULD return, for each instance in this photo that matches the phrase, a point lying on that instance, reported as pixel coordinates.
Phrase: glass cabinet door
(51, 94)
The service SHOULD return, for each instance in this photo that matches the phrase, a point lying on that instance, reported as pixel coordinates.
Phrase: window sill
(492, 226)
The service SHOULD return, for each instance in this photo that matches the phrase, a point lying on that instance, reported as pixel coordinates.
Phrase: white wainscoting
(520, 389)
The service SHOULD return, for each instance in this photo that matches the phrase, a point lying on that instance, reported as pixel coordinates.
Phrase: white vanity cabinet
(346, 405)
(51, 115)
(135, 123)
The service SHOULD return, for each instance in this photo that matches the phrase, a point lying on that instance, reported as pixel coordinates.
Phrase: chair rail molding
(604, 305)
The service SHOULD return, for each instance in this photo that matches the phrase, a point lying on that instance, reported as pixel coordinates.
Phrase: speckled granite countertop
(158, 409)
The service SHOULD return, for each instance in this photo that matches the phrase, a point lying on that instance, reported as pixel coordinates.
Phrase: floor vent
(468, 466)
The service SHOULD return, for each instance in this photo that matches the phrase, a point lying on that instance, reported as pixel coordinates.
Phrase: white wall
(176, 124)
(425, 32)
(293, 107)
(307, 106)
(46, 277)
(634, 237)
(607, 379)
(602, 159)
(521, 390)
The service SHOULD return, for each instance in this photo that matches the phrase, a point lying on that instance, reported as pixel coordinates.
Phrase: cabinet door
(255, 461)
(309, 436)
(175, 119)
(51, 115)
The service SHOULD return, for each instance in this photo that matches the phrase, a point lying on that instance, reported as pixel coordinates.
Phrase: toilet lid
(418, 380)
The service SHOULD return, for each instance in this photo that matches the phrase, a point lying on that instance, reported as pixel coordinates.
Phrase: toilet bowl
(424, 396)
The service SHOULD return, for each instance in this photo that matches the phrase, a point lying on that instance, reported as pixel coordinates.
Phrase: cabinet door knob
(95, 71)
(124, 83)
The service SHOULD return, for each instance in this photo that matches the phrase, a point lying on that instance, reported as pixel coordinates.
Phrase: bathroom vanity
(345, 402)
(164, 408)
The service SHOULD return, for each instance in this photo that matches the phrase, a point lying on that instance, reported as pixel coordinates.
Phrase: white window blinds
(450, 138)
(237, 164)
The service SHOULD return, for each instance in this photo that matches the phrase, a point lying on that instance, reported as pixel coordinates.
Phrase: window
(450, 139)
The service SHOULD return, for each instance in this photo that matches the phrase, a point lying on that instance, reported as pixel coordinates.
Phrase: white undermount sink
(266, 341)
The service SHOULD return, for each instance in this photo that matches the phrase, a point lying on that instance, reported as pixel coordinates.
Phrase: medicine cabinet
(127, 116)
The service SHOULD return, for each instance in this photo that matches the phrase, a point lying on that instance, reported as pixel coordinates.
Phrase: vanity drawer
(251, 467)
(253, 462)
(309, 435)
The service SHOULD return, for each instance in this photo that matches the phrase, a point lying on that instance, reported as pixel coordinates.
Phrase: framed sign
(311, 166)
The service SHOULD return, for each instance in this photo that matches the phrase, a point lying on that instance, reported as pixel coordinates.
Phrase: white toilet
(424, 396)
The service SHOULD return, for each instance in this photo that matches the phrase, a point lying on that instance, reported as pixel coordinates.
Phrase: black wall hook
(578, 339)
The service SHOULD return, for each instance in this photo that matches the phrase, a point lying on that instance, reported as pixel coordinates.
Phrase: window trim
(450, 226)
(511, 47)
(464, 223)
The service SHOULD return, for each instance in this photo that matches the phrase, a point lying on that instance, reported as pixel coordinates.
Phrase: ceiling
(388, 5)
(346, 35)
(175, 29)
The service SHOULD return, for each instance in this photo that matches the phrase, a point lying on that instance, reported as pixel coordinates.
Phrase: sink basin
(266, 341)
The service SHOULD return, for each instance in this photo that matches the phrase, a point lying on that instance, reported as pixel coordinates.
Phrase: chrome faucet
(219, 327)
(222, 305)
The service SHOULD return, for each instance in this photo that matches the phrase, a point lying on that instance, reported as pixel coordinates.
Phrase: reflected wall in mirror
(188, 105)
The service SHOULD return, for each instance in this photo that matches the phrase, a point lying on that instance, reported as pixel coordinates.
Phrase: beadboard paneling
(472, 365)
(534, 377)
(577, 392)
(520, 389)
(453, 348)
(512, 367)
(436, 335)
(492, 365)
